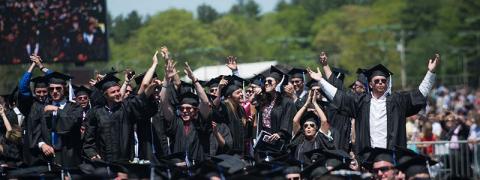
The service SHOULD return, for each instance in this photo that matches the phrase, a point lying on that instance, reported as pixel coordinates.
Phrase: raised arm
(128, 79)
(168, 110)
(7, 124)
(232, 65)
(429, 78)
(38, 61)
(324, 126)
(204, 105)
(324, 61)
(149, 74)
(298, 116)
(223, 82)
(329, 89)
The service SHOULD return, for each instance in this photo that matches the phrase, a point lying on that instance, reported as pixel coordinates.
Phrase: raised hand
(154, 58)
(309, 98)
(223, 82)
(323, 58)
(231, 63)
(433, 63)
(2, 110)
(165, 53)
(37, 60)
(188, 72)
(289, 90)
(170, 70)
(315, 75)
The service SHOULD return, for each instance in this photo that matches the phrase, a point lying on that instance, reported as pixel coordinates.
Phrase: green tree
(206, 13)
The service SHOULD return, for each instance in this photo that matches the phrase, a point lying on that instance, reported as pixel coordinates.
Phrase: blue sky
(144, 7)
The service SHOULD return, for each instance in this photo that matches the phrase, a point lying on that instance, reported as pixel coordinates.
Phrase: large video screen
(56, 30)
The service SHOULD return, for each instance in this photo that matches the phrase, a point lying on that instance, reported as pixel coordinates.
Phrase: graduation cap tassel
(389, 90)
(278, 88)
(70, 91)
(243, 91)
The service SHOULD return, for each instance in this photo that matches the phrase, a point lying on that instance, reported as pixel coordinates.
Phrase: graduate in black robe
(57, 125)
(314, 134)
(189, 128)
(231, 112)
(109, 128)
(275, 110)
(390, 108)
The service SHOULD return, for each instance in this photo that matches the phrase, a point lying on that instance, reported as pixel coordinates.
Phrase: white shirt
(378, 122)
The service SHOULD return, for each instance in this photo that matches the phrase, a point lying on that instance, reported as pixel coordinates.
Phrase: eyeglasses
(377, 81)
(41, 92)
(55, 88)
(296, 82)
(382, 169)
(309, 124)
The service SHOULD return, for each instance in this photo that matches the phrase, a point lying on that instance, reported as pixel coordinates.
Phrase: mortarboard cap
(138, 79)
(189, 98)
(258, 80)
(377, 70)
(371, 155)
(310, 116)
(107, 82)
(339, 73)
(329, 158)
(186, 87)
(57, 78)
(81, 90)
(312, 83)
(213, 82)
(277, 74)
(40, 82)
(234, 83)
(297, 73)
(231, 163)
(416, 165)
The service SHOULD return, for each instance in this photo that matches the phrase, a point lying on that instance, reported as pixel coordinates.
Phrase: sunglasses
(41, 92)
(377, 81)
(213, 90)
(186, 108)
(309, 124)
(55, 88)
(269, 81)
(382, 169)
(82, 98)
(296, 82)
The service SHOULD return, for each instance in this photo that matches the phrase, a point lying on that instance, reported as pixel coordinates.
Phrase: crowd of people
(72, 31)
(285, 123)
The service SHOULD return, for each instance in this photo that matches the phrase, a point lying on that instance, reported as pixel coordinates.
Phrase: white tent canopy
(246, 70)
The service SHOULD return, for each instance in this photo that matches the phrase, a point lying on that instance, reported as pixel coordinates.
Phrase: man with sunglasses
(380, 116)
(82, 98)
(57, 125)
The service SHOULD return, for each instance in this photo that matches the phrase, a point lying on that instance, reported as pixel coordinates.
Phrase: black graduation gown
(151, 137)
(300, 146)
(281, 118)
(25, 105)
(67, 127)
(399, 106)
(110, 133)
(196, 142)
(235, 125)
(227, 136)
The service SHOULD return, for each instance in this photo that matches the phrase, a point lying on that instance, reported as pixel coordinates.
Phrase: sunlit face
(41, 94)
(297, 84)
(309, 129)
(378, 84)
(56, 91)
(188, 112)
(270, 84)
(113, 94)
(383, 170)
(237, 96)
(82, 100)
(213, 91)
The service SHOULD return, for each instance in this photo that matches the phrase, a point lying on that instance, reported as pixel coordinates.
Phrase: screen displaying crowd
(59, 31)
